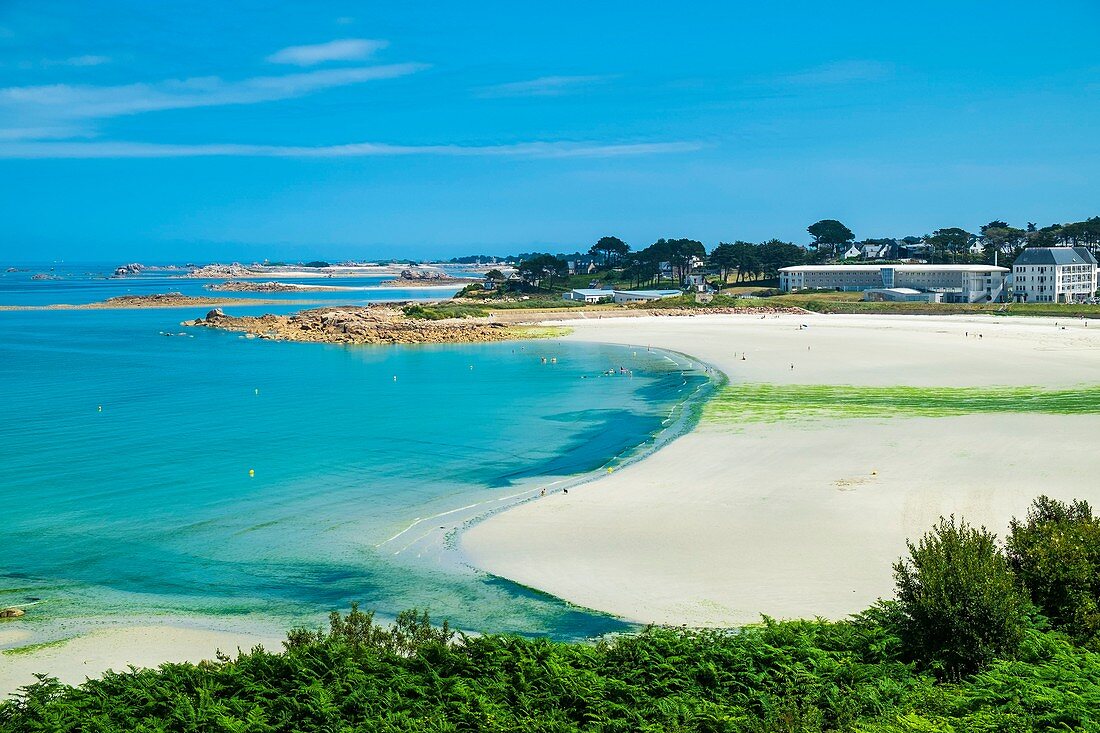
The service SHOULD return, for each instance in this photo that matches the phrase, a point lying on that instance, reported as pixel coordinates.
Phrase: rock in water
(12, 613)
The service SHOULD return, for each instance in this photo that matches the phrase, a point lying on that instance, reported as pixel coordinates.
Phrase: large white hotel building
(1054, 275)
(934, 283)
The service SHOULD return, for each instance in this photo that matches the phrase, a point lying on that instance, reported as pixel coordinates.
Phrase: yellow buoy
(610, 469)
(251, 472)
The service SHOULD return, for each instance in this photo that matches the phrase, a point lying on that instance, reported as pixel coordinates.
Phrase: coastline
(95, 645)
(700, 532)
(76, 648)
(641, 543)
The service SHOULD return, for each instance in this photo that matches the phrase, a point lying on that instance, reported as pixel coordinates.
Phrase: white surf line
(421, 520)
(498, 500)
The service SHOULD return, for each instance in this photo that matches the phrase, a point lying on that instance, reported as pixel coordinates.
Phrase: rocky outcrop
(134, 268)
(44, 276)
(356, 325)
(12, 612)
(246, 286)
(423, 276)
(221, 272)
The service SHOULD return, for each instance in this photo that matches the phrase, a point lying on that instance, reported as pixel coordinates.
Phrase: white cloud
(86, 60)
(840, 72)
(544, 150)
(544, 86)
(70, 102)
(346, 49)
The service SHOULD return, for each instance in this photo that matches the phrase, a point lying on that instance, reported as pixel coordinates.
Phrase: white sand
(116, 647)
(798, 519)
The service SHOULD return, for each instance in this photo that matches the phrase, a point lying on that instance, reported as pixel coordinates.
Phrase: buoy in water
(257, 391)
(251, 472)
(100, 408)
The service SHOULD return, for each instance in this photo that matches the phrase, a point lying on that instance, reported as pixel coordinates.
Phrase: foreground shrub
(960, 603)
(1055, 554)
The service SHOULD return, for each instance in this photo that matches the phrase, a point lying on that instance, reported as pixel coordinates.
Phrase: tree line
(830, 240)
(980, 636)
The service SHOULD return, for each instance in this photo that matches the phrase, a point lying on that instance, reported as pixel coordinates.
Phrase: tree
(681, 253)
(541, 267)
(999, 238)
(721, 259)
(775, 254)
(830, 233)
(1056, 556)
(746, 259)
(960, 604)
(612, 248)
(952, 241)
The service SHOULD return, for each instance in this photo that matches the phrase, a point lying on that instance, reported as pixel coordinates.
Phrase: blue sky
(129, 130)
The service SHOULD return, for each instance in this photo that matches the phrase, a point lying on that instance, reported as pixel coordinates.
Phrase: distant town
(999, 264)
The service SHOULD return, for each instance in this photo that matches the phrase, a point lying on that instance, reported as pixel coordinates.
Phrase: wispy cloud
(840, 72)
(71, 102)
(96, 149)
(544, 86)
(86, 60)
(345, 49)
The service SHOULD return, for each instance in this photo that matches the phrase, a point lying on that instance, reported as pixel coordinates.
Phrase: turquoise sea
(126, 443)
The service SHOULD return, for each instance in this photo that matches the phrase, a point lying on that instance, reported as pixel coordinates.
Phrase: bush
(959, 601)
(440, 311)
(1056, 556)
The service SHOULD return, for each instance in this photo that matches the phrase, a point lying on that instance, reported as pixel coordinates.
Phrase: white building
(589, 295)
(1054, 275)
(947, 283)
(638, 296)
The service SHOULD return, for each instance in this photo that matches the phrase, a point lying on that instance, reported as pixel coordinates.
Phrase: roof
(593, 292)
(898, 268)
(649, 293)
(899, 291)
(1055, 256)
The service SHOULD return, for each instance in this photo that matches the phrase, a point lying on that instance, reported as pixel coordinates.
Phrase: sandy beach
(801, 518)
(143, 643)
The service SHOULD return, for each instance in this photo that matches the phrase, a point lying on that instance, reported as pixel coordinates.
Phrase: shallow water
(125, 457)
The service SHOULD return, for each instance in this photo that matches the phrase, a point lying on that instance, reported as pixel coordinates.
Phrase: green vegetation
(960, 604)
(1056, 555)
(960, 649)
(840, 302)
(771, 402)
(439, 311)
(32, 648)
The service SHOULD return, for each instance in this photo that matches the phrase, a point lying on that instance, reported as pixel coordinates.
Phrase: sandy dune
(804, 518)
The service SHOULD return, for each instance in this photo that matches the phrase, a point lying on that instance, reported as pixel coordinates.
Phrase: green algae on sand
(771, 403)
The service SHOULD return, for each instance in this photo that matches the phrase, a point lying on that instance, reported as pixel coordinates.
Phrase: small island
(365, 326)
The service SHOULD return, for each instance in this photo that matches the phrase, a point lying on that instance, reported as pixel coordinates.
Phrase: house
(696, 282)
(1054, 275)
(589, 295)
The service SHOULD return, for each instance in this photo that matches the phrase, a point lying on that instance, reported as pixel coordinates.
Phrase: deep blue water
(125, 458)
